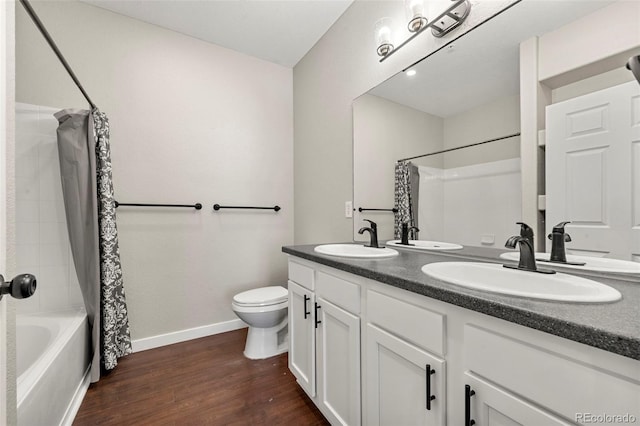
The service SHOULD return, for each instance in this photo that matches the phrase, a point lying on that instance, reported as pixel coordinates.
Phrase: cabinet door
(302, 343)
(338, 340)
(397, 382)
(492, 406)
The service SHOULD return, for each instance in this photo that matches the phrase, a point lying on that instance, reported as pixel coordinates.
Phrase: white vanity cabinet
(414, 348)
(324, 347)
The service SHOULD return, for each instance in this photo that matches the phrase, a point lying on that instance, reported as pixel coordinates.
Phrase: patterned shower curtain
(85, 170)
(116, 340)
(405, 197)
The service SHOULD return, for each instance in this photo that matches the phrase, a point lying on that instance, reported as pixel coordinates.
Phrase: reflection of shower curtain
(406, 197)
(85, 169)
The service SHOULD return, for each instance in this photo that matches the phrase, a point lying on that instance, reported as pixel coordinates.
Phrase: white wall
(575, 51)
(384, 132)
(42, 238)
(190, 122)
(342, 66)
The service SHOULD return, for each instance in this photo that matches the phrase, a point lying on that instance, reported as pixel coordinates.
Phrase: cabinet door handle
(306, 313)
(468, 393)
(317, 320)
(430, 397)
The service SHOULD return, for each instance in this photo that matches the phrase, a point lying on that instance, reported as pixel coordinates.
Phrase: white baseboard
(76, 402)
(146, 343)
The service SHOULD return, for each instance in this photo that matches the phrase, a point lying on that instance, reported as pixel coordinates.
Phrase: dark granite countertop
(613, 327)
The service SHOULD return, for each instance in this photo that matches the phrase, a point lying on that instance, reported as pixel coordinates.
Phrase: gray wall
(342, 66)
(190, 122)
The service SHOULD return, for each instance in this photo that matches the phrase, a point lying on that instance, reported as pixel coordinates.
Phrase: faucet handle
(374, 225)
(567, 237)
(560, 227)
(525, 230)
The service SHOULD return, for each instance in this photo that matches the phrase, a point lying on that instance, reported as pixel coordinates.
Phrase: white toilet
(265, 311)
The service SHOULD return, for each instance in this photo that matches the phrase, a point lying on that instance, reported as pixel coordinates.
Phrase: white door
(398, 383)
(492, 406)
(6, 58)
(338, 372)
(302, 342)
(593, 171)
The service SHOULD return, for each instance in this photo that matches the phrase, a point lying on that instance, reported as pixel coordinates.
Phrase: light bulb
(383, 36)
(415, 14)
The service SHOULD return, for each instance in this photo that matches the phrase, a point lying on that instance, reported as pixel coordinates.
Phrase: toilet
(265, 311)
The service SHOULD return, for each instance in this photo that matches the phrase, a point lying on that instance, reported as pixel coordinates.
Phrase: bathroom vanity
(377, 342)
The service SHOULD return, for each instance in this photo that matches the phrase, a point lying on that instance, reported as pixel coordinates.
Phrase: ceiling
(279, 31)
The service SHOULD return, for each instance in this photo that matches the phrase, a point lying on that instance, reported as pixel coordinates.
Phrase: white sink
(596, 264)
(355, 250)
(495, 278)
(425, 245)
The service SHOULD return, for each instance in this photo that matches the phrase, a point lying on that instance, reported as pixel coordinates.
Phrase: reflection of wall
(495, 119)
(386, 131)
(41, 230)
(467, 205)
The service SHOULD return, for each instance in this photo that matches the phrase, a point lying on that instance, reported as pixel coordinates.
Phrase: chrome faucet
(527, 252)
(405, 231)
(373, 233)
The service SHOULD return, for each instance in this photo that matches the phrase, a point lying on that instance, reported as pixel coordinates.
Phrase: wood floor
(200, 382)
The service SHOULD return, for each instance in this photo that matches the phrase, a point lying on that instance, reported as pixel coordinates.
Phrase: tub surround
(52, 386)
(613, 327)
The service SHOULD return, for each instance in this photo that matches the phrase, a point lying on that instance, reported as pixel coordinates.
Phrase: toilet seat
(261, 297)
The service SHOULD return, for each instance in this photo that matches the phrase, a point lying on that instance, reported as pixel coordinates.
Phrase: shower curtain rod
(36, 20)
(460, 147)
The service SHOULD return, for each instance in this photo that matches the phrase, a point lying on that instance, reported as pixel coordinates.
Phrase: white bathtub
(52, 364)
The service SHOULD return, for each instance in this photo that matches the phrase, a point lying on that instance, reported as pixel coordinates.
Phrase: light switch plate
(348, 209)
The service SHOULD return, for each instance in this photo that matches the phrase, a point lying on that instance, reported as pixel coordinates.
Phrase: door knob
(20, 287)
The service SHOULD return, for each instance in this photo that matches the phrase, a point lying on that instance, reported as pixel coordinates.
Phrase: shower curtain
(85, 170)
(406, 197)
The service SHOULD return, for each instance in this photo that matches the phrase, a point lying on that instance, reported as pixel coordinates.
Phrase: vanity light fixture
(411, 72)
(443, 24)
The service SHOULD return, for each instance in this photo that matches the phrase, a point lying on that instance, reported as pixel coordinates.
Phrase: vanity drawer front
(557, 383)
(412, 323)
(302, 275)
(339, 292)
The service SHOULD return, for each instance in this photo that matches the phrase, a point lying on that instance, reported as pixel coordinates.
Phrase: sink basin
(596, 264)
(496, 279)
(425, 245)
(355, 250)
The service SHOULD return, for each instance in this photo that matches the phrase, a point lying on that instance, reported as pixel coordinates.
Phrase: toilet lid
(262, 296)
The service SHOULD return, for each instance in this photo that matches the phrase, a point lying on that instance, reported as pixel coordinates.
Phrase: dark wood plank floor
(200, 382)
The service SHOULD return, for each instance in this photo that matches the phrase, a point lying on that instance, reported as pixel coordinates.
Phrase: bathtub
(52, 366)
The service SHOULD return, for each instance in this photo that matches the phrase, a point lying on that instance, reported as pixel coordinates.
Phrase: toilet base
(267, 342)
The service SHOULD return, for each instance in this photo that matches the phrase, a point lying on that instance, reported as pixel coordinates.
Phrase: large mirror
(464, 94)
